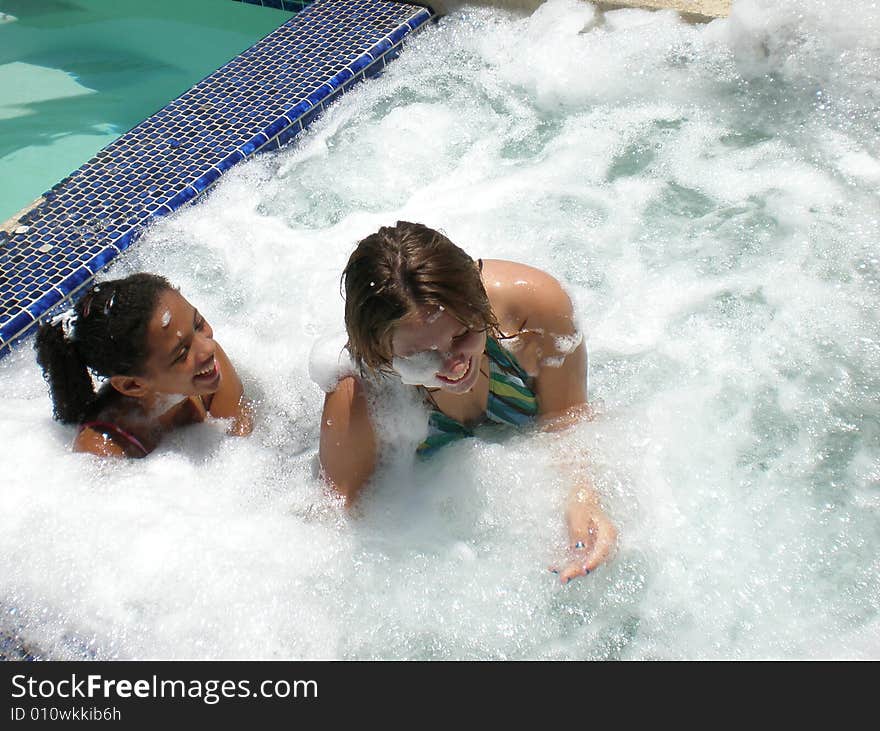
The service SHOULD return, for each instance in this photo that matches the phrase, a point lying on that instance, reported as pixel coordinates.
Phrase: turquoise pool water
(75, 74)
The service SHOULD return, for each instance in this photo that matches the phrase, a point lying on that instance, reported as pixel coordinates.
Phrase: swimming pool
(78, 74)
(708, 196)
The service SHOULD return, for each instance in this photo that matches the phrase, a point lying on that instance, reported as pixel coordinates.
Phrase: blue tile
(99, 262)
(162, 211)
(289, 133)
(419, 20)
(354, 81)
(253, 144)
(317, 96)
(46, 302)
(380, 48)
(276, 126)
(340, 79)
(74, 281)
(205, 180)
(182, 197)
(126, 240)
(360, 63)
(12, 327)
(375, 69)
(307, 119)
(398, 35)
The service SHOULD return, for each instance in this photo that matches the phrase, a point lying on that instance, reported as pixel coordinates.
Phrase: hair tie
(67, 320)
(87, 303)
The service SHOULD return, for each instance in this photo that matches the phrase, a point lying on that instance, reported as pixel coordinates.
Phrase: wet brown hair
(399, 269)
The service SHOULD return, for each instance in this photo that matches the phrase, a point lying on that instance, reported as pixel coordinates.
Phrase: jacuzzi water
(709, 197)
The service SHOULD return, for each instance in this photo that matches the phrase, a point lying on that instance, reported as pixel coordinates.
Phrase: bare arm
(562, 400)
(348, 443)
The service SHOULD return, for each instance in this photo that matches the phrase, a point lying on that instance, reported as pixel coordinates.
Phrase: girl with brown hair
(418, 306)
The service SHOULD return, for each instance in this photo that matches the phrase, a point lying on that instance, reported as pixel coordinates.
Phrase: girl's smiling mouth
(209, 373)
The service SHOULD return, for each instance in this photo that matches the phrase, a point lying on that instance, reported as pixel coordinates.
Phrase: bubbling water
(707, 195)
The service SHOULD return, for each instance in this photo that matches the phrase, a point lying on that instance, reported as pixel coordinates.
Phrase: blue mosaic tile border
(291, 5)
(257, 102)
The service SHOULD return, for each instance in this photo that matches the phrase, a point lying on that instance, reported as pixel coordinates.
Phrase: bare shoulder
(524, 296)
(92, 441)
(345, 401)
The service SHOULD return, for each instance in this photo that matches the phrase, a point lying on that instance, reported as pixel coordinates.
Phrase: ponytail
(70, 383)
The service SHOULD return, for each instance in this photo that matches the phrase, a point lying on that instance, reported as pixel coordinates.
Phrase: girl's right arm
(348, 442)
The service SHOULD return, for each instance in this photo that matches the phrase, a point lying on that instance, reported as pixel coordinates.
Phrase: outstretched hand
(594, 536)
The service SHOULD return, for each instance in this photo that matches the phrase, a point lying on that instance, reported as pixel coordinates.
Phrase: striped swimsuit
(511, 401)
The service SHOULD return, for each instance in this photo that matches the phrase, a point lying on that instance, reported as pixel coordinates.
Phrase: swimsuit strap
(511, 401)
(511, 398)
(106, 426)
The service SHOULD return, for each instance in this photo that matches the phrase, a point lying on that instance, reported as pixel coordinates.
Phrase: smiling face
(434, 349)
(181, 349)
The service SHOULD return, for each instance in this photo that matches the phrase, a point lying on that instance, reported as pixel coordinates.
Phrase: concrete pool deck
(700, 11)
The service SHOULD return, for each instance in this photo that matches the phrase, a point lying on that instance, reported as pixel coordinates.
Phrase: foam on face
(166, 319)
(419, 369)
(704, 210)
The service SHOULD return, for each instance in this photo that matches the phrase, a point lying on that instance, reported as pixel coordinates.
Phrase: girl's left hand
(593, 540)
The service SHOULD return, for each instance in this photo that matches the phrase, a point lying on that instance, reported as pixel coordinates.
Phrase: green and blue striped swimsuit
(511, 401)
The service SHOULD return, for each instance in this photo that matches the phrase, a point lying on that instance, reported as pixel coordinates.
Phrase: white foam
(419, 369)
(567, 344)
(330, 361)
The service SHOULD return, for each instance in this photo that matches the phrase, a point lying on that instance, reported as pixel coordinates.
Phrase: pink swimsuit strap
(106, 426)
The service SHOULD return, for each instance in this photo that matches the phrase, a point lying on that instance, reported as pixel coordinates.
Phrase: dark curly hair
(109, 337)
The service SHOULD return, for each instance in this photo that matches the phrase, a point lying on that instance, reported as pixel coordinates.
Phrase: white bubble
(330, 361)
(420, 369)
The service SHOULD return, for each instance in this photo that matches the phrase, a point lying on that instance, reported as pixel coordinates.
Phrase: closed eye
(199, 323)
(181, 355)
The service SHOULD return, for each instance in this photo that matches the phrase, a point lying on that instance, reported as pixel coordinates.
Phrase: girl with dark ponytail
(161, 365)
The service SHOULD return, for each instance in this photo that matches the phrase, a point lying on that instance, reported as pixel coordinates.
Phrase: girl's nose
(207, 348)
